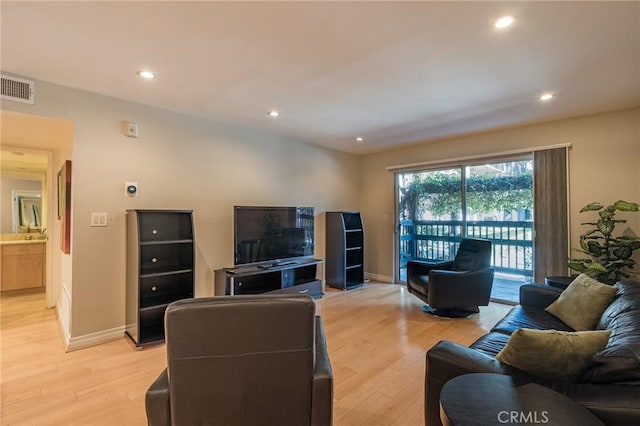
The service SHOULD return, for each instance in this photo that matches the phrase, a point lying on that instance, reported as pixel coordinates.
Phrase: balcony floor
(506, 289)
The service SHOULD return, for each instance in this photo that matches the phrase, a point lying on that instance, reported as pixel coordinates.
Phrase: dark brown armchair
(455, 288)
(243, 360)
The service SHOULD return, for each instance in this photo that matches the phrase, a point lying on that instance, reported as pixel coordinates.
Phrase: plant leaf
(595, 249)
(623, 252)
(606, 226)
(577, 265)
(596, 267)
(591, 207)
(626, 206)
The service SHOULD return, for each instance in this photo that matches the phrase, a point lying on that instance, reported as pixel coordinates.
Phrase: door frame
(462, 164)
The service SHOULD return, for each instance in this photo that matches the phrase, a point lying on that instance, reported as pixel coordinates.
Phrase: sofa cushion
(619, 361)
(529, 317)
(560, 356)
(491, 343)
(582, 303)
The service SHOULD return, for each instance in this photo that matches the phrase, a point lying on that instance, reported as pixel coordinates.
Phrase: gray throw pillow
(559, 356)
(582, 303)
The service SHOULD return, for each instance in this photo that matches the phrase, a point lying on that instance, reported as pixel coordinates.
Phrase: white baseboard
(63, 331)
(93, 339)
(63, 313)
(378, 278)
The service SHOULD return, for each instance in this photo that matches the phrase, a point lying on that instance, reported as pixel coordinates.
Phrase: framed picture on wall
(64, 206)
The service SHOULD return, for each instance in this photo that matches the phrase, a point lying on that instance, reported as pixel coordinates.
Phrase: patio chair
(454, 288)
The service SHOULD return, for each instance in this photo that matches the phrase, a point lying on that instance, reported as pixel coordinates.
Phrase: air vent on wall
(17, 89)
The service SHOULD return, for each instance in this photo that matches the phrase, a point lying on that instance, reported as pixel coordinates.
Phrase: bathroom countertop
(12, 242)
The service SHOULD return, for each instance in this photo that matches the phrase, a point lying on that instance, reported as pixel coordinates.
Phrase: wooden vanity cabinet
(23, 266)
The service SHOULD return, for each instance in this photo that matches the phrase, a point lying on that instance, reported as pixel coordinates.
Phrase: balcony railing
(437, 240)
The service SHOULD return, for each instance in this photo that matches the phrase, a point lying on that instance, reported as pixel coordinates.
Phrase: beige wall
(179, 162)
(182, 162)
(604, 166)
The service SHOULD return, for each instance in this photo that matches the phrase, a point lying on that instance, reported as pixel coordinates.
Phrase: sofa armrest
(156, 401)
(538, 295)
(445, 361)
(322, 385)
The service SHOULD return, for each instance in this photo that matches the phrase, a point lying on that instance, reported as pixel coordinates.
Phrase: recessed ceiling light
(546, 97)
(147, 74)
(504, 22)
(359, 139)
(273, 113)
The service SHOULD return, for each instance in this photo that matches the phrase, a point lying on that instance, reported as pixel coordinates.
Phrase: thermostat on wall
(131, 189)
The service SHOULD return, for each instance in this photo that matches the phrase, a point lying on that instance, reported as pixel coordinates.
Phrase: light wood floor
(377, 338)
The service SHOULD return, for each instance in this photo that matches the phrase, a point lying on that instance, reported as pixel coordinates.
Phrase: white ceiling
(392, 72)
(18, 161)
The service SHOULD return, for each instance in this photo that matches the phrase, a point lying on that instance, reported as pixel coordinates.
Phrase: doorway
(492, 200)
(25, 176)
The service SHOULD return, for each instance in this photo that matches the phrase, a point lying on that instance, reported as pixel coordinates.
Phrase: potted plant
(609, 257)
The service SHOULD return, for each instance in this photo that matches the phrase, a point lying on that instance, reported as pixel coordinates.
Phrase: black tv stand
(303, 276)
(275, 264)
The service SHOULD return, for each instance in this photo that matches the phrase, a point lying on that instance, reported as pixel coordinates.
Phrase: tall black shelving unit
(344, 250)
(160, 269)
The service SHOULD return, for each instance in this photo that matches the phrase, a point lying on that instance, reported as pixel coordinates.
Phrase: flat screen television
(272, 235)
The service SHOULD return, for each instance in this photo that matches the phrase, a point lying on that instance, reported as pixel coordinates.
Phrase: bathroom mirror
(27, 210)
(23, 183)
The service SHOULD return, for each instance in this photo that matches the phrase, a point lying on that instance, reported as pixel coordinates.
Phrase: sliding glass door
(430, 215)
(492, 200)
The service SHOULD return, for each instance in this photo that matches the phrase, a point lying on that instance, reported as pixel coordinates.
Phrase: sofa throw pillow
(555, 355)
(582, 303)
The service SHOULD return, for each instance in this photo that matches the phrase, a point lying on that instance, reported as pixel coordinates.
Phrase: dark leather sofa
(610, 387)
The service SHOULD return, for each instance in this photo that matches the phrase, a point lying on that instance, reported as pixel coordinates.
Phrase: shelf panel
(159, 272)
(160, 242)
(350, 285)
(153, 308)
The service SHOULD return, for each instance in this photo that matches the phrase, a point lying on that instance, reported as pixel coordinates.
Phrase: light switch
(99, 219)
